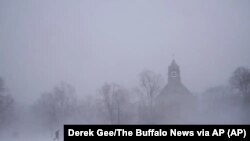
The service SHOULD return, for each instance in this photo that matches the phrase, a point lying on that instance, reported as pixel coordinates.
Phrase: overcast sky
(89, 42)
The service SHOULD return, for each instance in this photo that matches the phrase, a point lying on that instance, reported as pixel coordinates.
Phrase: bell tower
(174, 73)
(175, 99)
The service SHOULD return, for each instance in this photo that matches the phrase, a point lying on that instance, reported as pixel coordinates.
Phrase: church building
(174, 86)
(175, 103)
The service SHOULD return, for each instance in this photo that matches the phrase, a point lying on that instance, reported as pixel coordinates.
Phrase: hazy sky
(89, 42)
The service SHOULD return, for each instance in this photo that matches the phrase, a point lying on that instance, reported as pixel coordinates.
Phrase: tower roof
(173, 64)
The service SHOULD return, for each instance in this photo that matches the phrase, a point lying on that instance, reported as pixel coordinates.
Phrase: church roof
(175, 89)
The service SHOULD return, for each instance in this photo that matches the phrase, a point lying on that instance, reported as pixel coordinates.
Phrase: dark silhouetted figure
(56, 138)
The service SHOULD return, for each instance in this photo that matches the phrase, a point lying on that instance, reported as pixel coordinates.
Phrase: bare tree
(58, 105)
(6, 105)
(150, 86)
(241, 80)
(115, 98)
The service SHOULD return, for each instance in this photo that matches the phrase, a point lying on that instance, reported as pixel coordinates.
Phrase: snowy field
(20, 135)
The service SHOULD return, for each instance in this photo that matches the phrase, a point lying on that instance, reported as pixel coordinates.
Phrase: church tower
(174, 85)
(174, 73)
(175, 102)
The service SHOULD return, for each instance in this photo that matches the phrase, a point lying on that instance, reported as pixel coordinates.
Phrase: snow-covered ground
(27, 137)
(28, 128)
(29, 134)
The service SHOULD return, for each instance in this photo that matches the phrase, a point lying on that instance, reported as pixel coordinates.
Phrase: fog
(88, 43)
